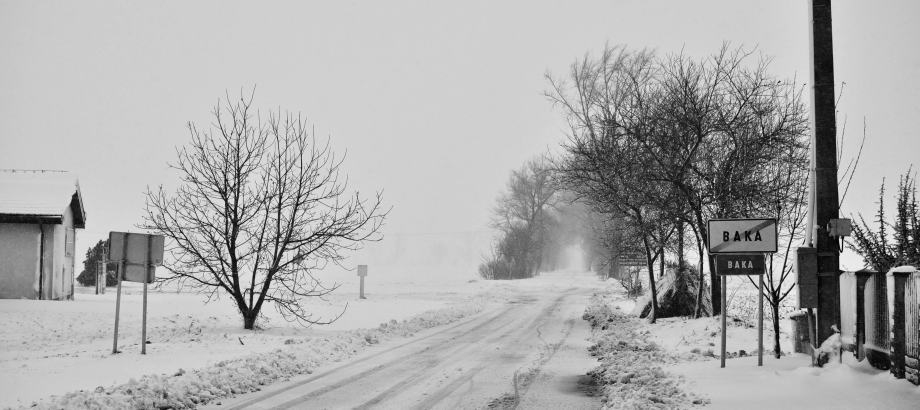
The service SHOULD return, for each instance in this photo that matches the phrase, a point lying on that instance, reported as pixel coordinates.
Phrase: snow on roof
(40, 194)
(903, 268)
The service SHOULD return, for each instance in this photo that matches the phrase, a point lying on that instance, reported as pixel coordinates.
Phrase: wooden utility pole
(825, 155)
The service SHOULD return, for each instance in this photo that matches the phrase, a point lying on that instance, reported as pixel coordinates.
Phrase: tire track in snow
(445, 391)
(429, 364)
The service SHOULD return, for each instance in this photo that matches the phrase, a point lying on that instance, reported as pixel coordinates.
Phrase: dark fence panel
(877, 326)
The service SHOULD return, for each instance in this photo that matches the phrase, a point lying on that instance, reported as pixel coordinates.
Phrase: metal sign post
(362, 272)
(760, 327)
(120, 273)
(140, 254)
(740, 265)
(147, 268)
(738, 247)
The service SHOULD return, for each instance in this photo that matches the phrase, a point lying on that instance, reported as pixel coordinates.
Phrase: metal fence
(890, 320)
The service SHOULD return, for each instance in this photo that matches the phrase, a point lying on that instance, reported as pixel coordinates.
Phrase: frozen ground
(49, 348)
(786, 383)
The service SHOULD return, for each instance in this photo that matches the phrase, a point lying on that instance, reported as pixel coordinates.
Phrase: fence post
(912, 338)
(897, 323)
(862, 276)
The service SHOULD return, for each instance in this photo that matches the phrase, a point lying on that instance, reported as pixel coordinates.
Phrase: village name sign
(742, 236)
(738, 247)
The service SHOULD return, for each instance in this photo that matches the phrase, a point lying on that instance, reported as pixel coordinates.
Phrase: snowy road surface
(528, 353)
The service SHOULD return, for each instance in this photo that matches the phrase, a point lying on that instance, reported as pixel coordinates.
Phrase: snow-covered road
(530, 352)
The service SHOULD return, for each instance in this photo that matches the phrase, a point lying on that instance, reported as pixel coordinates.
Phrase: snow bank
(631, 365)
(186, 389)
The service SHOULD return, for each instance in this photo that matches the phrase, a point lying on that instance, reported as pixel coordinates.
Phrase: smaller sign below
(362, 270)
(740, 264)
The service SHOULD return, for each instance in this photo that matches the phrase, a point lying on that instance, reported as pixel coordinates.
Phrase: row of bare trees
(663, 142)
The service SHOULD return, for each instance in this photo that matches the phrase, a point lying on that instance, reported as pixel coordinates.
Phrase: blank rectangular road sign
(742, 236)
(631, 259)
(134, 254)
(362, 270)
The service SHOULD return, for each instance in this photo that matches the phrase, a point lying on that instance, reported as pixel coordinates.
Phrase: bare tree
(260, 207)
(701, 132)
(791, 205)
(521, 215)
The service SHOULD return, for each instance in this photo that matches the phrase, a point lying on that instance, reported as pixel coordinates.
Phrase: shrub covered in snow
(187, 389)
(830, 349)
(630, 364)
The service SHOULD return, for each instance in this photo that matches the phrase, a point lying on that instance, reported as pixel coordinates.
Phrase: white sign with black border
(742, 236)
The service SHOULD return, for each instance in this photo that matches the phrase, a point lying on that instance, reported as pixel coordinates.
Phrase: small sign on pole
(137, 256)
(362, 272)
(727, 265)
(632, 259)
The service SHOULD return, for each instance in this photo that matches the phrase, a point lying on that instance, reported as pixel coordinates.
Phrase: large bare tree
(260, 207)
(691, 140)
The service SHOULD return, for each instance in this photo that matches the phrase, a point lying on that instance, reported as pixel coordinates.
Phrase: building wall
(19, 249)
(61, 265)
(21, 268)
(70, 253)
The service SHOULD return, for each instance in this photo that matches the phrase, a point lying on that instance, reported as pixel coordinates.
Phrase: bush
(874, 246)
(677, 295)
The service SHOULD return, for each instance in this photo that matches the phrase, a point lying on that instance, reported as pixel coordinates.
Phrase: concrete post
(825, 154)
(897, 323)
(862, 276)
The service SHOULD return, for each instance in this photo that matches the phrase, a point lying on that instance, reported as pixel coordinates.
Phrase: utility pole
(826, 201)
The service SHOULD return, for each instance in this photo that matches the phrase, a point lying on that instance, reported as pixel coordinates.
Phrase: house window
(69, 239)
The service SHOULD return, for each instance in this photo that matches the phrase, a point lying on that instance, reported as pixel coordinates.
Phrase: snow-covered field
(50, 348)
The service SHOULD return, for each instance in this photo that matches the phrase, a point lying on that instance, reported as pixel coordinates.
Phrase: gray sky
(434, 103)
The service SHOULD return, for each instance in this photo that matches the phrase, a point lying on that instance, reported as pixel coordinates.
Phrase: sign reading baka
(742, 236)
(740, 265)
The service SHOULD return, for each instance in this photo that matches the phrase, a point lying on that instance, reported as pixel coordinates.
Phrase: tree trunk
(249, 320)
(774, 305)
(680, 245)
(699, 288)
(661, 263)
(715, 291)
(653, 315)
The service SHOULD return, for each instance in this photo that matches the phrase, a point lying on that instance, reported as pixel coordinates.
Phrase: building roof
(40, 197)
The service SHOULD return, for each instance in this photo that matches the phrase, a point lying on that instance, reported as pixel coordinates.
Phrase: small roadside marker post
(362, 272)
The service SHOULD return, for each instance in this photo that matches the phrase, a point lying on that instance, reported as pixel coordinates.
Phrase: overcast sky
(434, 103)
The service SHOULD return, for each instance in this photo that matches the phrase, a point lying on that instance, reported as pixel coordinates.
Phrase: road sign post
(741, 265)
(139, 256)
(738, 247)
